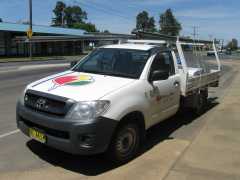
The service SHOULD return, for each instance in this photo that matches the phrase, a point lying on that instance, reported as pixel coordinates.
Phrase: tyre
(125, 143)
(205, 97)
(201, 102)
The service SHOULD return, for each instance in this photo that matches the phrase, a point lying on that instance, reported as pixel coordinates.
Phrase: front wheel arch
(135, 118)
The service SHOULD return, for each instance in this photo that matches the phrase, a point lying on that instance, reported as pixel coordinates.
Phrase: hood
(79, 86)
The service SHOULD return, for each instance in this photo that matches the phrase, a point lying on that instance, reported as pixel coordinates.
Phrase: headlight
(22, 96)
(88, 110)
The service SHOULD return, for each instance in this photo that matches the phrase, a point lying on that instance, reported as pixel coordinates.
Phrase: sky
(213, 18)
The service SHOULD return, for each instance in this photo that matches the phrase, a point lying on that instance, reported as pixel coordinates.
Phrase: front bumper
(65, 134)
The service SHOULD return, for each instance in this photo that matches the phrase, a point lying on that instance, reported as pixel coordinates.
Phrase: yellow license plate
(37, 135)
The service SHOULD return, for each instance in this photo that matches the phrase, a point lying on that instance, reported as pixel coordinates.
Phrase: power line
(107, 7)
(111, 11)
(104, 10)
(110, 8)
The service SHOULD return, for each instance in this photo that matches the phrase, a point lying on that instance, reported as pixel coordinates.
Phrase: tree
(74, 15)
(233, 44)
(89, 27)
(58, 11)
(151, 25)
(169, 24)
(144, 23)
(71, 17)
(106, 31)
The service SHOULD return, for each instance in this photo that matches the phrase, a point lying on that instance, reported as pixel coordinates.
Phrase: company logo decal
(41, 104)
(71, 80)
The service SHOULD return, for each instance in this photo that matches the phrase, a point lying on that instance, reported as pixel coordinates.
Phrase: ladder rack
(169, 39)
(149, 42)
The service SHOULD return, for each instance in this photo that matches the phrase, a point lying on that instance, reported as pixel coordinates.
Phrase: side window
(157, 63)
(169, 62)
(163, 61)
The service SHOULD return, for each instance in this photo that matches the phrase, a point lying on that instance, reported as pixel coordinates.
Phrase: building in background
(51, 41)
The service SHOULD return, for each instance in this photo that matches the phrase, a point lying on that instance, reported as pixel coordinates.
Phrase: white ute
(107, 101)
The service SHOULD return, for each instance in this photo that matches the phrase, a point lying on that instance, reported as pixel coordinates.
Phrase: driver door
(165, 93)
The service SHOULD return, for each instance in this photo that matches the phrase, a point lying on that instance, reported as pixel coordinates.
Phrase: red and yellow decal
(72, 80)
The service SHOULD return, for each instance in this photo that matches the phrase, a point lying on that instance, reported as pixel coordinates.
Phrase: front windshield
(114, 62)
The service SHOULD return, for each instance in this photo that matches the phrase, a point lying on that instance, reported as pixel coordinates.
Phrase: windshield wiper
(89, 71)
(107, 73)
(120, 74)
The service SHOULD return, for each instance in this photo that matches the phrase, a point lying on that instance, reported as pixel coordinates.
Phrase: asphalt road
(18, 153)
(14, 64)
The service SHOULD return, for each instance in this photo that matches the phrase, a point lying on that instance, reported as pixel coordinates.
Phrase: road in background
(24, 63)
(15, 66)
(11, 87)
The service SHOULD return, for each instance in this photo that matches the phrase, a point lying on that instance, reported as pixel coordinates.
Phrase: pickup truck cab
(106, 102)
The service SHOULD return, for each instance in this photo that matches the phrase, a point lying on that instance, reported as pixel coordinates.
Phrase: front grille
(47, 103)
(48, 131)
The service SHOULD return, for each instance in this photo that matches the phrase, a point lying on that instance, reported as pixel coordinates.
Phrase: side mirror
(73, 63)
(159, 75)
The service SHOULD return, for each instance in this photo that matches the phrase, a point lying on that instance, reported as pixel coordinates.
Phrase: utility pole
(30, 28)
(221, 43)
(195, 34)
(62, 20)
(63, 17)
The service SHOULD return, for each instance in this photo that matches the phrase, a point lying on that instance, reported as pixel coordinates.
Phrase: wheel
(205, 97)
(125, 143)
(201, 102)
(199, 107)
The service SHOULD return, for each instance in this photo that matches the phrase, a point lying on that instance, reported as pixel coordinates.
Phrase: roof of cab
(144, 47)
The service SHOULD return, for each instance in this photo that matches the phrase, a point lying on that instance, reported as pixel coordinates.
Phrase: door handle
(176, 83)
